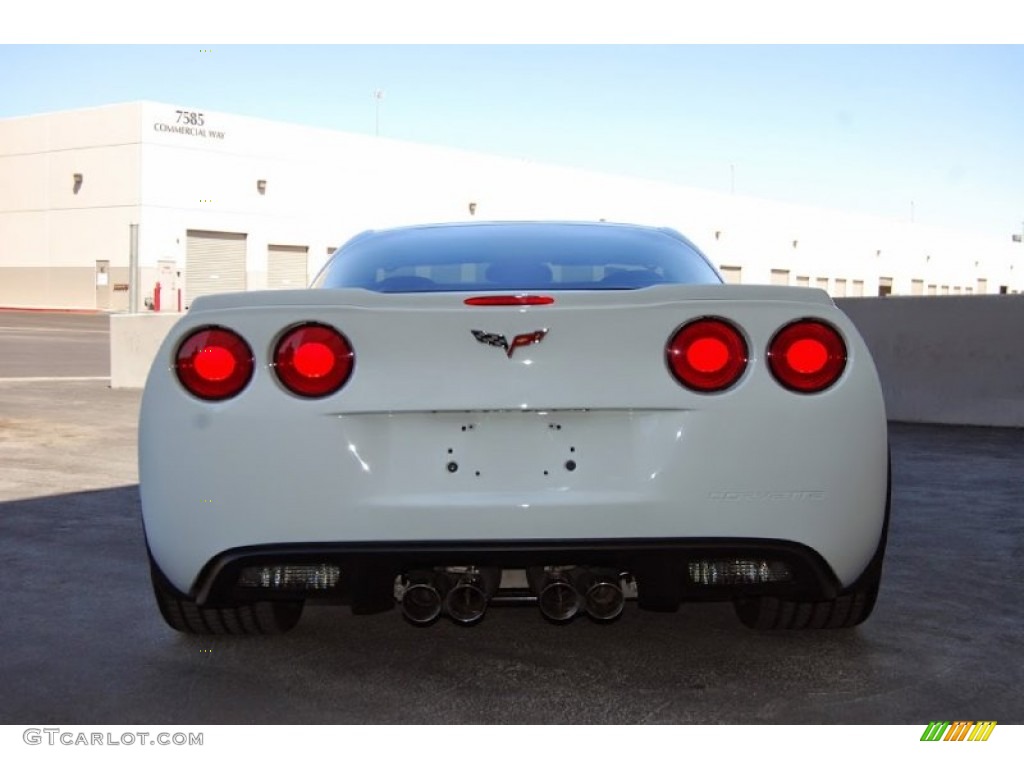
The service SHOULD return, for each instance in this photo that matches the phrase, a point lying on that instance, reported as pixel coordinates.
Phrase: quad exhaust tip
(465, 603)
(464, 593)
(559, 601)
(421, 603)
(562, 592)
(604, 600)
(461, 593)
(557, 597)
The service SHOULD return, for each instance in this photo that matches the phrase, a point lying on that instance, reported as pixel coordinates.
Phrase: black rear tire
(262, 618)
(846, 610)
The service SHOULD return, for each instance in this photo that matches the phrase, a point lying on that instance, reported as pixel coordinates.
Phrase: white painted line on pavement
(49, 329)
(52, 378)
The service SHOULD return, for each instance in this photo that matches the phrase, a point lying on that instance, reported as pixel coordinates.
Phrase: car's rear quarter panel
(652, 459)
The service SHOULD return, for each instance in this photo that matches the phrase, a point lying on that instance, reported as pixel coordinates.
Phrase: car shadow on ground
(83, 642)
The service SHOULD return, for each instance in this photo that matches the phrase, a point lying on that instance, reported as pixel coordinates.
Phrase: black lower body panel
(662, 568)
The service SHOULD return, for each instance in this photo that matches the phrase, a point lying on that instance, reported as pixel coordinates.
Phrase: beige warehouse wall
(23, 182)
(61, 287)
(52, 230)
(66, 287)
(48, 259)
(99, 126)
(947, 360)
(46, 181)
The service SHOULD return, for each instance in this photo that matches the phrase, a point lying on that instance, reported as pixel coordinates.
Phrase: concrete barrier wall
(947, 359)
(134, 341)
(941, 359)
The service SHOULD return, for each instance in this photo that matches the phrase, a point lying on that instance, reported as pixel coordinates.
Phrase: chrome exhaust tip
(603, 599)
(466, 602)
(557, 598)
(559, 601)
(421, 603)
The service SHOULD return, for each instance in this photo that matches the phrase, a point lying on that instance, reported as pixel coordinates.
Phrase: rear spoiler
(366, 299)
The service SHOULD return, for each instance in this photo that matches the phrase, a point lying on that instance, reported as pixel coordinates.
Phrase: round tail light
(313, 360)
(213, 363)
(807, 356)
(707, 355)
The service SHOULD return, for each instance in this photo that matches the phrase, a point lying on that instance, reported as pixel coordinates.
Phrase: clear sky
(929, 131)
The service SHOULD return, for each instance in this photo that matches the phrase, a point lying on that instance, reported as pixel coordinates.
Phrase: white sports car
(464, 415)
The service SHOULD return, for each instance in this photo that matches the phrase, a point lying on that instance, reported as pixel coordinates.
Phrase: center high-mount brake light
(313, 360)
(519, 300)
(807, 356)
(213, 363)
(707, 355)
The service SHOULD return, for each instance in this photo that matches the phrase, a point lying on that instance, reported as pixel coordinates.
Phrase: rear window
(510, 257)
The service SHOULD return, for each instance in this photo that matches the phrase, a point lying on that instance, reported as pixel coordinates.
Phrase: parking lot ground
(81, 640)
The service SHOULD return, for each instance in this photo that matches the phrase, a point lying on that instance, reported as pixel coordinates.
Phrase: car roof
(540, 227)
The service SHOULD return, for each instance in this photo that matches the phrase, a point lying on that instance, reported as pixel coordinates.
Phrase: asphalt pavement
(44, 344)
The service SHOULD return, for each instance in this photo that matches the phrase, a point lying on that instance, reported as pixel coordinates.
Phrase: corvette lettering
(522, 340)
(767, 496)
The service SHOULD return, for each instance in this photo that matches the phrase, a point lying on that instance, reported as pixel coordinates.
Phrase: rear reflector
(807, 356)
(711, 573)
(314, 576)
(213, 363)
(707, 355)
(509, 301)
(313, 360)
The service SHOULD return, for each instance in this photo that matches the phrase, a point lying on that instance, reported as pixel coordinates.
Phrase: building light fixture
(77, 178)
(261, 186)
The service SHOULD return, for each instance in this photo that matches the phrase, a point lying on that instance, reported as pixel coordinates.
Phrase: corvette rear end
(543, 441)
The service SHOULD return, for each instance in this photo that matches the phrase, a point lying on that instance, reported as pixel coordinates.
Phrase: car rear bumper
(667, 571)
(413, 481)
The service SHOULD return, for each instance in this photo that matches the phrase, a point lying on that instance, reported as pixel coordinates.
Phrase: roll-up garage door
(214, 263)
(286, 266)
(731, 275)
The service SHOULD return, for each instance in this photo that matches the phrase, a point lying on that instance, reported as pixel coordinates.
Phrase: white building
(226, 203)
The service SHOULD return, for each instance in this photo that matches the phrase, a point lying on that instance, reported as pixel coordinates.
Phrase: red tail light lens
(807, 356)
(313, 360)
(518, 300)
(214, 363)
(707, 355)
